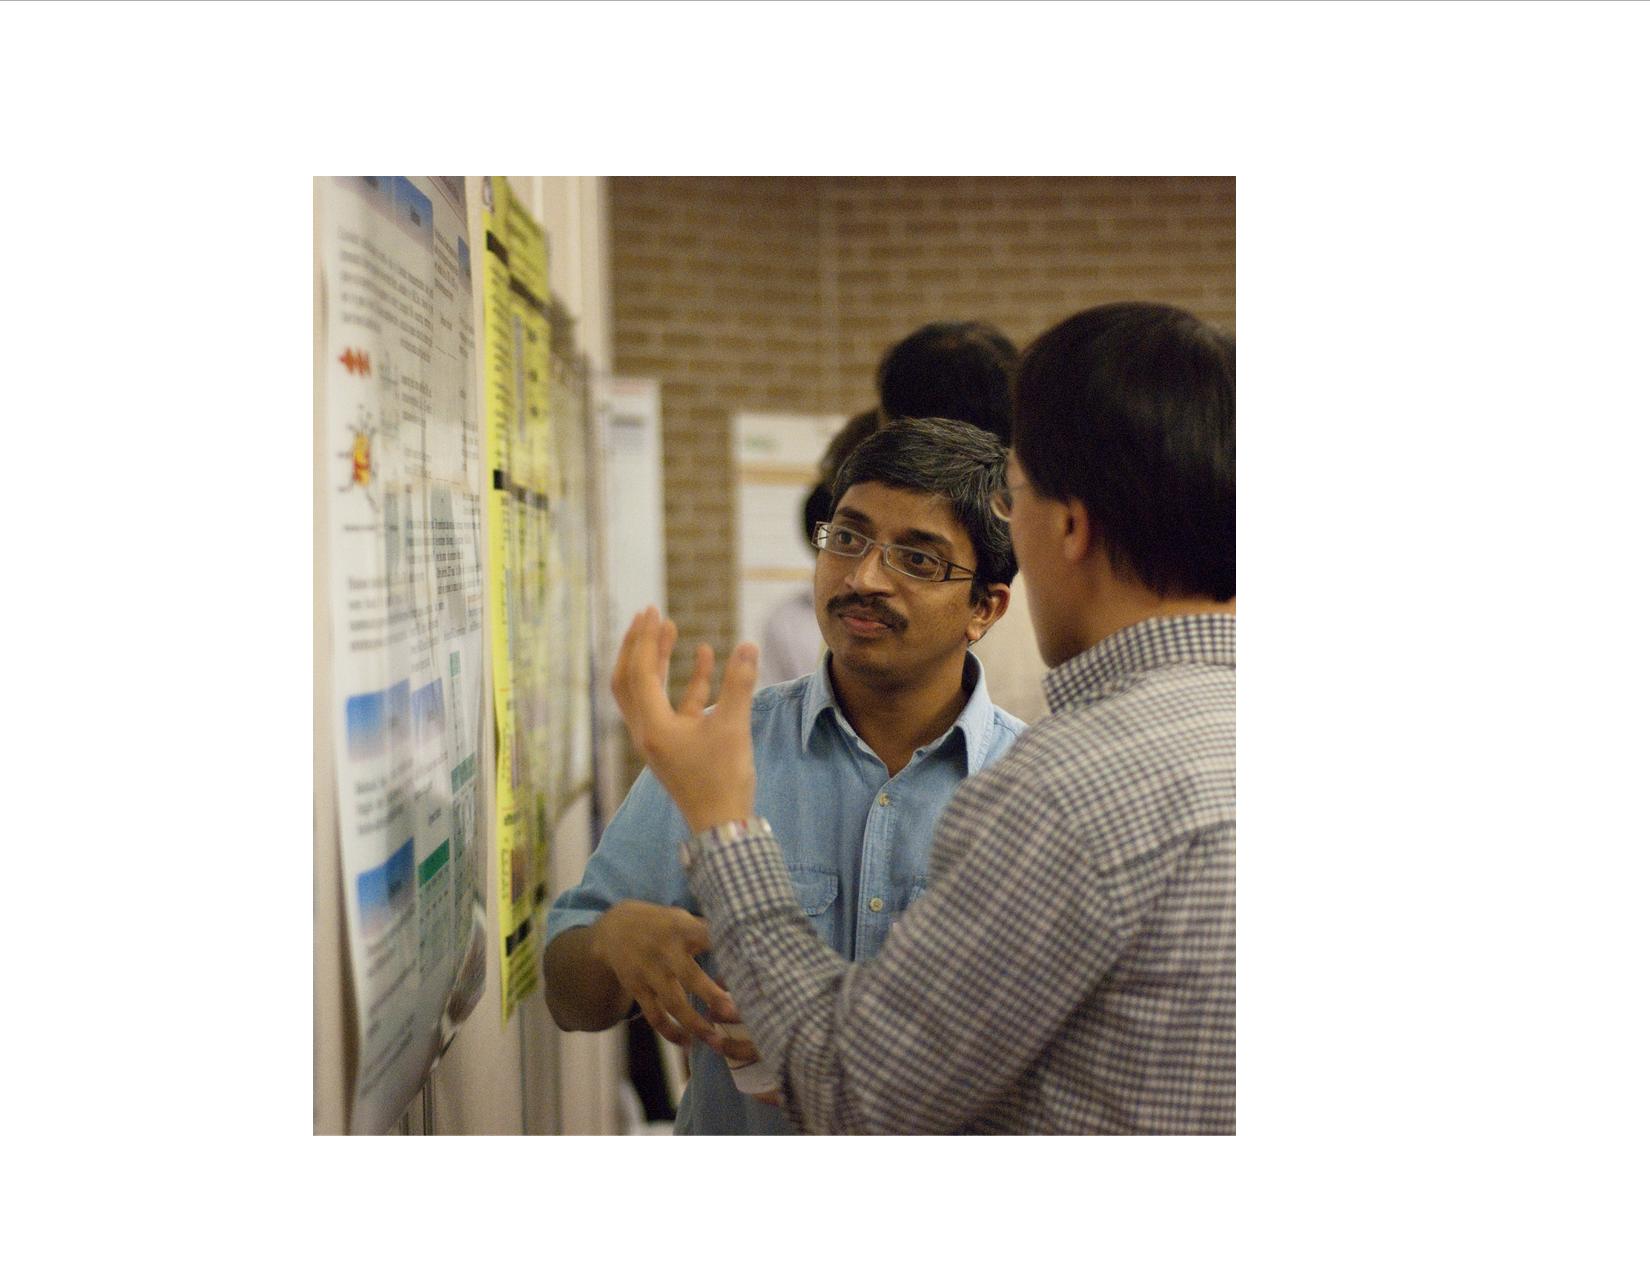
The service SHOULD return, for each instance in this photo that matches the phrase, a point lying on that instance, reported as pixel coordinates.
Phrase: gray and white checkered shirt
(1072, 967)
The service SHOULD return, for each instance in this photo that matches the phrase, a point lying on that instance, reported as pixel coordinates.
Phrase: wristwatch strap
(722, 834)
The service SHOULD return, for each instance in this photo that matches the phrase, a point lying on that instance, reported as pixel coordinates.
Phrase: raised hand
(703, 759)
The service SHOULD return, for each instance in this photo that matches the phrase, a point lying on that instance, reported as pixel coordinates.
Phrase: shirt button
(876, 905)
(882, 799)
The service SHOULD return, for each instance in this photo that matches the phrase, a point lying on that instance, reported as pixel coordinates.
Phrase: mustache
(872, 608)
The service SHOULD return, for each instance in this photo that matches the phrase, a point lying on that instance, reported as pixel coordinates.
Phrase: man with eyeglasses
(1072, 966)
(853, 763)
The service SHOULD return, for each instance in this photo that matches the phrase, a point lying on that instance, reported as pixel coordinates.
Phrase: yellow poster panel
(515, 287)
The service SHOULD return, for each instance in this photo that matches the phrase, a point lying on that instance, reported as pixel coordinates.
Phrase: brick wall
(716, 289)
(1021, 252)
(780, 294)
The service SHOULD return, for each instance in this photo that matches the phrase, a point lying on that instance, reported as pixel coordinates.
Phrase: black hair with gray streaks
(944, 458)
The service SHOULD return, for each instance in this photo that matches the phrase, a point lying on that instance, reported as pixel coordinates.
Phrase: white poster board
(776, 462)
(629, 427)
(404, 525)
(629, 437)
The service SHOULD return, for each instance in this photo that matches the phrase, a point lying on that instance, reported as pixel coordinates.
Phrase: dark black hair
(1131, 409)
(950, 459)
(958, 371)
(853, 432)
(816, 508)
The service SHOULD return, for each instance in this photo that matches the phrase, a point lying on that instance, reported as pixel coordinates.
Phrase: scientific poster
(521, 462)
(404, 553)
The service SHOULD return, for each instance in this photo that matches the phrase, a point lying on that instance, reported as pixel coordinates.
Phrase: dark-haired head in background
(956, 371)
(853, 432)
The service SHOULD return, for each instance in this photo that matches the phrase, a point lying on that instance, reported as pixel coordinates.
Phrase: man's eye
(844, 539)
(915, 558)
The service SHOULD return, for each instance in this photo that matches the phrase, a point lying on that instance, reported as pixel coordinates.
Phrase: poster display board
(404, 522)
(776, 459)
(522, 475)
(627, 436)
(631, 431)
(568, 618)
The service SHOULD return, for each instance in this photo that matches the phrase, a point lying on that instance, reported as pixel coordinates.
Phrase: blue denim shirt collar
(975, 722)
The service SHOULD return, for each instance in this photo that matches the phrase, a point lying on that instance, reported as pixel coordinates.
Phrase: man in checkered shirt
(1072, 967)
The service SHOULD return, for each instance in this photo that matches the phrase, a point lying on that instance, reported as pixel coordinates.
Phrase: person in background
(962, 371)
(853, 432)
(853, 762)
(790, 636)
(1072, 965)
(965, 371)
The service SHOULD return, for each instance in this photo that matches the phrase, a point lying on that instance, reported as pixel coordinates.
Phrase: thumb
(739, 681)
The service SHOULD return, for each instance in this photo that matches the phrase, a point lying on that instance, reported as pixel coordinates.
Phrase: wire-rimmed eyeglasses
(1002, 500)
(919, 564)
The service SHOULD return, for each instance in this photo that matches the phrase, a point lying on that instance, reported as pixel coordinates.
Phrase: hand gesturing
(702, 758)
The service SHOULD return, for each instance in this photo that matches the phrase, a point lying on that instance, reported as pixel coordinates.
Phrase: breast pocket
(816, 890)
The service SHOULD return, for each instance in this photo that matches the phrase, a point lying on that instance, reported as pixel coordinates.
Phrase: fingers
(637, 683)
(739, 681)
(666, 1006)
(719, 1003)
(665, 644)
(627, 645)
(673, 1000)
(662, 1022)
(698, 687)
(624, 667)
(694, 933)
(695, 936)
(650, 950)
(677, 975)
(770, 1099)
(641, 673)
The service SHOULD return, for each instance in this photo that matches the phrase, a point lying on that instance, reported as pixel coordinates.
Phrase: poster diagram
(405, 524)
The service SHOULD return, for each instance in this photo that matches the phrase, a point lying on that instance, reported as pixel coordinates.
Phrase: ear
(987, 612)
(1078, 534)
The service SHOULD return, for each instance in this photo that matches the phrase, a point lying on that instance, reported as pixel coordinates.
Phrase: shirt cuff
(737, 873)
(561, 920)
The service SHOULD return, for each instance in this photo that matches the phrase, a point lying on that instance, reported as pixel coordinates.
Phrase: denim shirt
(856, 844)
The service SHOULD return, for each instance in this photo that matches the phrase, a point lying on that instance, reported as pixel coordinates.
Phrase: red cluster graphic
(357, 362)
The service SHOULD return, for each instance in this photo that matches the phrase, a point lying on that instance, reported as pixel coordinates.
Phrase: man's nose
(870, 573)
